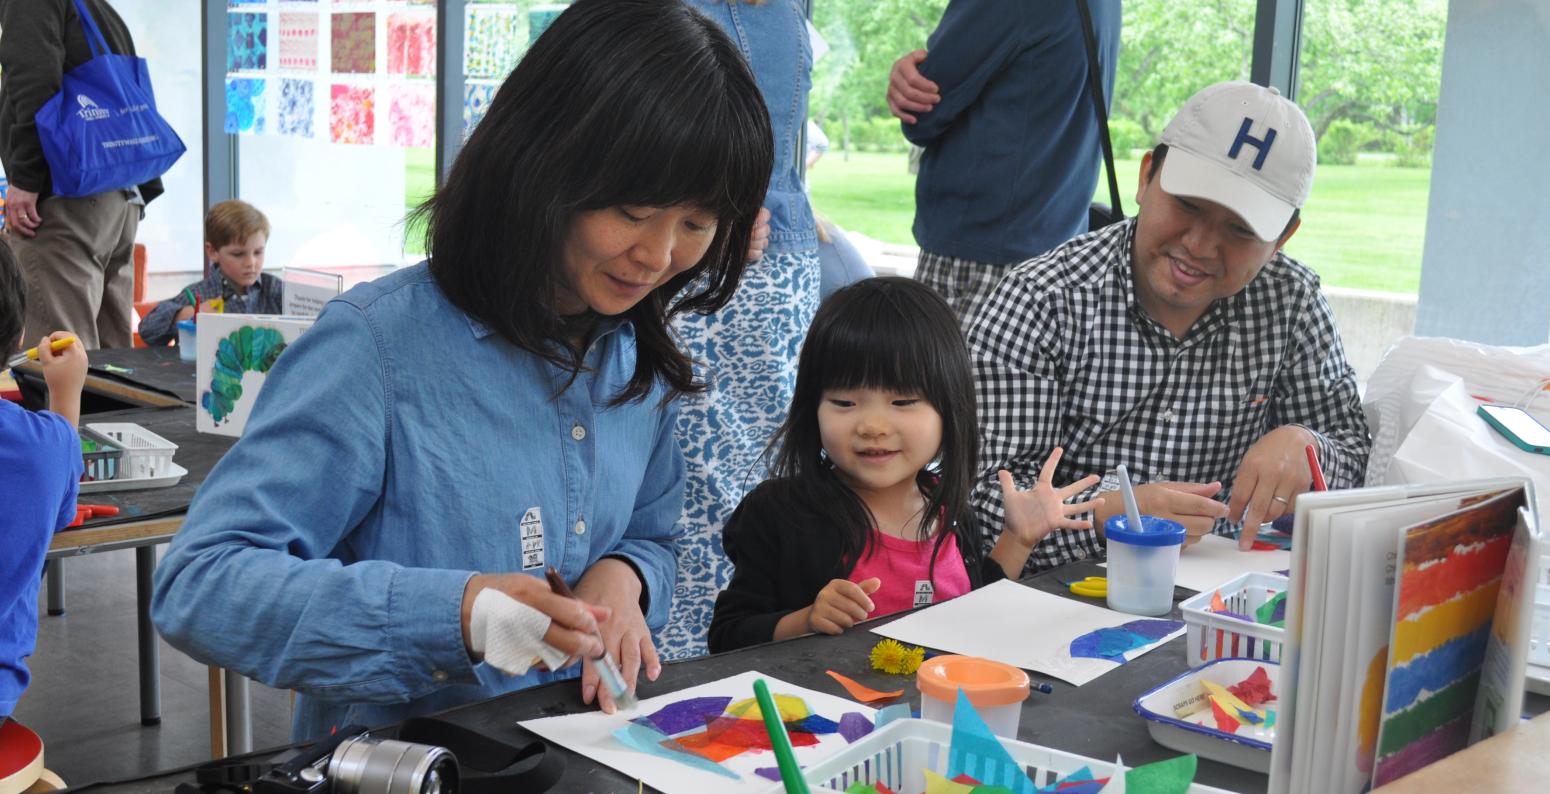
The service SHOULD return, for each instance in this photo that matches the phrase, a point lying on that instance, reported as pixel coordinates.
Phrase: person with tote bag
(76, 250)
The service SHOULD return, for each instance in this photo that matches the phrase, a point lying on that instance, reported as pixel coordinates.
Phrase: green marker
(790, 773)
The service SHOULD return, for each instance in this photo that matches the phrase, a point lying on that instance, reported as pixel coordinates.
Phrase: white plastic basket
(1213, 636)
(146, 455)
(896, 754)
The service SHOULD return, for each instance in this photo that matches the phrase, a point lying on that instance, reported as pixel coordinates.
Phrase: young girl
(868, 512)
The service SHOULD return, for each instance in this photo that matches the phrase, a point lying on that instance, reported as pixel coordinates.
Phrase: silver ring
(1282, 500)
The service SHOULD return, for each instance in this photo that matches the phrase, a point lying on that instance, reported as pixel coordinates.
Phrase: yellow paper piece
(1228, 700)
(791, 708)
(936, 784)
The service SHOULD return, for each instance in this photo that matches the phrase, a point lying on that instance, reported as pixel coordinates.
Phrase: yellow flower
(891, 657)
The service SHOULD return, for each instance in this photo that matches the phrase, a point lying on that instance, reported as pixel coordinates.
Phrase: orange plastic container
(996, 690)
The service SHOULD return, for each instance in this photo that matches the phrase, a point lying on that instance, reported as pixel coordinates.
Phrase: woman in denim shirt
(461, 424)
(748, 350)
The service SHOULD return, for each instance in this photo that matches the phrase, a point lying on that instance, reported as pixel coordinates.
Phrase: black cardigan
(785, 553)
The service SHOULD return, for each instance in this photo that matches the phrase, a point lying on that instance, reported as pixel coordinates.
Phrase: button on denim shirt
(394, 452)
(773, 38)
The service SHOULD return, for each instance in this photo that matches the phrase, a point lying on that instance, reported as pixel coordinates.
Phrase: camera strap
(485, 765)
(488, 765)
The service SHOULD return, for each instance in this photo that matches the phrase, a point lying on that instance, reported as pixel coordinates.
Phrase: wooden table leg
(217, 713)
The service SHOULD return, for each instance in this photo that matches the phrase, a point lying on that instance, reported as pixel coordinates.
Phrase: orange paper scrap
(863, 693)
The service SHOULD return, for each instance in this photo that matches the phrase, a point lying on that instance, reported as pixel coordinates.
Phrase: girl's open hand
(1042, 509)
(842, 604)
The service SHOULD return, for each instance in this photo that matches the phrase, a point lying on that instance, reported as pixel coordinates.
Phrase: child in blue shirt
(40, 473)
(235, 236)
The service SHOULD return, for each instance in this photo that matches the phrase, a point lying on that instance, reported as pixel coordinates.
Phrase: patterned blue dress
(748, 351)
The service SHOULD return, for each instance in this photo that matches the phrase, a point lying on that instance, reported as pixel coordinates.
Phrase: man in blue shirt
(999, 99)
(40, 472)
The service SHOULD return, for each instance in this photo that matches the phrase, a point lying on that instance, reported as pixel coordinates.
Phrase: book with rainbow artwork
(1408, 621)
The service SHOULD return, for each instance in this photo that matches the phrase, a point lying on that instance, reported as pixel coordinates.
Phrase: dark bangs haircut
(619, 102)
(13, 301)
(895, 334)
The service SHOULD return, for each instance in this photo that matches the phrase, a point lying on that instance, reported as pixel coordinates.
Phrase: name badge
(532, 539)
(924, 592)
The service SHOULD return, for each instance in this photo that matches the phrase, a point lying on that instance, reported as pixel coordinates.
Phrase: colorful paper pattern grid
(298, 45)
(247, 42)
(353, 43)
(411, 43)
(244, 105)
(412, 115)
(352, 114)
(495, 41)
(476, 102)
(297, 108)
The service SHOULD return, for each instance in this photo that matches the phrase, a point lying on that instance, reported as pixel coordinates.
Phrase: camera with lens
(355, 762)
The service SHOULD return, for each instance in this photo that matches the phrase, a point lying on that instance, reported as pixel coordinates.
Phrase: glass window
(1368, 79)
(173, 228)
(863, 182)
(334, 107)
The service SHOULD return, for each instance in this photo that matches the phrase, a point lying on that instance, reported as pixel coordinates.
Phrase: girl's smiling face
(878, 439)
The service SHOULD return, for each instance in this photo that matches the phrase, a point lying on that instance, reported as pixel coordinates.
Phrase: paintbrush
(607, 669)
(790, 773)
(32, 352)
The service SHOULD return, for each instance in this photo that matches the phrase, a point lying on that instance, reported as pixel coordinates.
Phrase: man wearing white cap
(1182, 342)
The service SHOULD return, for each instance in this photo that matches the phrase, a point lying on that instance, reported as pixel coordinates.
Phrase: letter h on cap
(1262, 144)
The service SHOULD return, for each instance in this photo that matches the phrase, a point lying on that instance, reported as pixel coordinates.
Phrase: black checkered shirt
(1065, 356)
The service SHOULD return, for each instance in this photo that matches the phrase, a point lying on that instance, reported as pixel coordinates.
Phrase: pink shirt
(903, 566)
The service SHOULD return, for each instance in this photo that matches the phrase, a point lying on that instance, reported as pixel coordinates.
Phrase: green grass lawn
(419, 183)
(1363, 226)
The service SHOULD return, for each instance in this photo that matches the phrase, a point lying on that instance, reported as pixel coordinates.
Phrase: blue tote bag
(102, 131)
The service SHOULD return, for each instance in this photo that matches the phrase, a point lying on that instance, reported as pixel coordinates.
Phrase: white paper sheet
(591, 734)
(1018, 625)
(1210, 563)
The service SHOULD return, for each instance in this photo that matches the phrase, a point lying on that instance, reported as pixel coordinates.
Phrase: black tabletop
(1095, 720)
(197, 452)
(157, 369)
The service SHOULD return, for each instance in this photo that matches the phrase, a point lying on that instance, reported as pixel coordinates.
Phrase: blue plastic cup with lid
(186, 340)
(1142, 564)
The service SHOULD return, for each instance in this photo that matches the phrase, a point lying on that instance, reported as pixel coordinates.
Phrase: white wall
(1485, 272)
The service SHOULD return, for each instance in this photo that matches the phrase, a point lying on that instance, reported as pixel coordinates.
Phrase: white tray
(1245, 752)
(173, 475)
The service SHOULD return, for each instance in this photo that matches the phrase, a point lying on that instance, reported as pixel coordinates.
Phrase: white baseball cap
(1245, 147)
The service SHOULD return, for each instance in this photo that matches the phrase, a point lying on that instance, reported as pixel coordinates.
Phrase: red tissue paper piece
(1225, 722)
(1253, 690)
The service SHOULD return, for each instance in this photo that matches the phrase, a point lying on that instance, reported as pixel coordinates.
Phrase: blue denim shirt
(1011, 152)
(773, 37)
(394, 452)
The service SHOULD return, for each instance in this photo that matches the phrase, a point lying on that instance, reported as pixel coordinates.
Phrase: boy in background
(235, 236)
(40, 474)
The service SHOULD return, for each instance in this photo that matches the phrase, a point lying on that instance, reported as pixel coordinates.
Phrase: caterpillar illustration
(246, 349)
